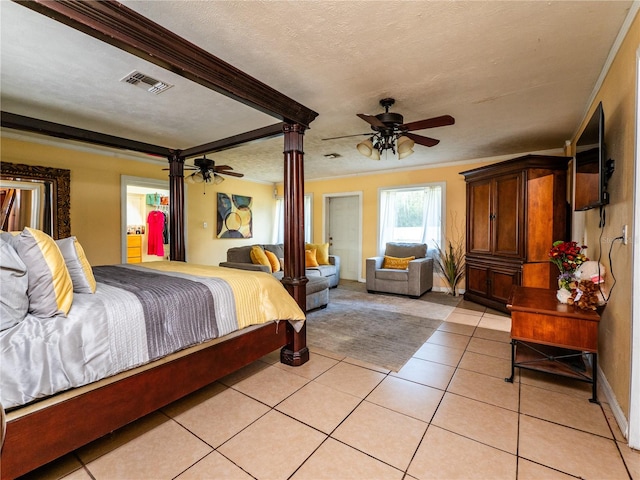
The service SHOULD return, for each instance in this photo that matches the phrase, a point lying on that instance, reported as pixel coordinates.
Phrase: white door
(343, 232)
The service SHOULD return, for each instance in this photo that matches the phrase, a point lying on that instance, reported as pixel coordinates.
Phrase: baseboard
(434, 289)
(446, 290)
(618, 414)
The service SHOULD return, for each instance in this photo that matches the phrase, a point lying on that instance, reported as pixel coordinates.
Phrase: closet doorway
(144, 219)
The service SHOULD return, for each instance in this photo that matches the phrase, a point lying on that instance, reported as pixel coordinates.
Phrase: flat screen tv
(592, 171)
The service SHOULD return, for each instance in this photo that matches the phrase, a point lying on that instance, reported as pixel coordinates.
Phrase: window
(278, 228)
(412, 214)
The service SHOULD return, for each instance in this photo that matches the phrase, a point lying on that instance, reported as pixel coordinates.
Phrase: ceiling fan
(207, 171)
(391, 133)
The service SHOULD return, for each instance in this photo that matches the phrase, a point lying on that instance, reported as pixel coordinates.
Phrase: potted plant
(450, 261)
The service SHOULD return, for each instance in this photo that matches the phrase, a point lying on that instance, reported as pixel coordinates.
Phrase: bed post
(176, 206)
(296, 351)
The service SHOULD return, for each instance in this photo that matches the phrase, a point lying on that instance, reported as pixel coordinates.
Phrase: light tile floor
(448, 414)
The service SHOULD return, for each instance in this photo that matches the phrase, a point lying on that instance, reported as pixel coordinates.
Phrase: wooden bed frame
(39, 433)
(44, 434)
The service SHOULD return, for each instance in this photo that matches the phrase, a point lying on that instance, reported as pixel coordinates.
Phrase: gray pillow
(77, 264)
(14, 301)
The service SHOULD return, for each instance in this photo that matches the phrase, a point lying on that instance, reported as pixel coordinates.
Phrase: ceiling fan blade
(218, 168)
(429, 123)
(371, 119)
(232, 174)
(347, 136)
(426, 141)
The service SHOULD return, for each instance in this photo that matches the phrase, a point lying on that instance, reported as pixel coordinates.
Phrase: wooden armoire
(516, 209)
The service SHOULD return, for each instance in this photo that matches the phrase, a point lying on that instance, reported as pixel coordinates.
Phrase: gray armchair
(414, 281)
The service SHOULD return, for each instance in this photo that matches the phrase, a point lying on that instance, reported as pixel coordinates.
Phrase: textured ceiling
(516, 76)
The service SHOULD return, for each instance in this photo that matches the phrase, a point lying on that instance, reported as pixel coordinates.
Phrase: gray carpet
(384, 330)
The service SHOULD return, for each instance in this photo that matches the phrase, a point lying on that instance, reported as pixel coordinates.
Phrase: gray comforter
(136, 315)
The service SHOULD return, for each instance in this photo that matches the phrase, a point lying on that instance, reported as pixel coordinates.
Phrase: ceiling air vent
(150, 84)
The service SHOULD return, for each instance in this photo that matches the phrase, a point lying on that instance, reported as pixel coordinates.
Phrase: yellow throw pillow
(396, 263)
(50, 287)
(258, 257)
(322, 252)
(310, 258)
(273, 261)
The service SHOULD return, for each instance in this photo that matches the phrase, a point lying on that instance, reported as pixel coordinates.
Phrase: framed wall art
(234, 216)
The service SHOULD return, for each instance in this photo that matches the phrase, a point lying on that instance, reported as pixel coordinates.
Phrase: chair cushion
(396, 263)
(316, 284)
(396, 275)
(396, 249)
(324, 270)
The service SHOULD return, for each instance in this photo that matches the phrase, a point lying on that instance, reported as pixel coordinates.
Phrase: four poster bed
(47, 428)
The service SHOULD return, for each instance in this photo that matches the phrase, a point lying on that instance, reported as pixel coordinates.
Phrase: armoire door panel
(477, 280)
(502, 283)
(540, 218)
(507, 215)
(479, 234)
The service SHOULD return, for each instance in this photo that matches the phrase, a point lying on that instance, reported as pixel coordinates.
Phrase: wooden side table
(551, 337)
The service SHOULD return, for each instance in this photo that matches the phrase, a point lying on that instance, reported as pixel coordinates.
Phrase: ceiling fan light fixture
(404, 154)
(195, 178)
(365, 147)
(405, 144)
(375, 154)
(217, 179)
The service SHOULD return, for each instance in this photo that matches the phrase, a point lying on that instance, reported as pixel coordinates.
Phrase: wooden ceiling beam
(270, 131)
(118, 25)
(28, 124)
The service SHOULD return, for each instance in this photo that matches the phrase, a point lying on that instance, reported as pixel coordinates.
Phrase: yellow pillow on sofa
(258, 257)
(310, 258)
(273, 261)
(396, 263)
(322, 252)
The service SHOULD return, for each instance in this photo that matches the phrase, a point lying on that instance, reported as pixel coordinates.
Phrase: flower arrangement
(567, 256)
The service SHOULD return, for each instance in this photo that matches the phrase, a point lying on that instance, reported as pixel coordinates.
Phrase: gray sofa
(414, 281)
(240, 257)
(321, 278)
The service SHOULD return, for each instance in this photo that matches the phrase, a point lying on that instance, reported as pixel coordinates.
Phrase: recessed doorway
(145, 219)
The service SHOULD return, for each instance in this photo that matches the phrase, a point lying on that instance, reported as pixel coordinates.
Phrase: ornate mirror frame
(60, 180)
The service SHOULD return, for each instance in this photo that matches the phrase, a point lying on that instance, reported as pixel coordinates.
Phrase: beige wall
(369, 185)
(202, 245)
(96, 197)
(618, 101)
(95, 191)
